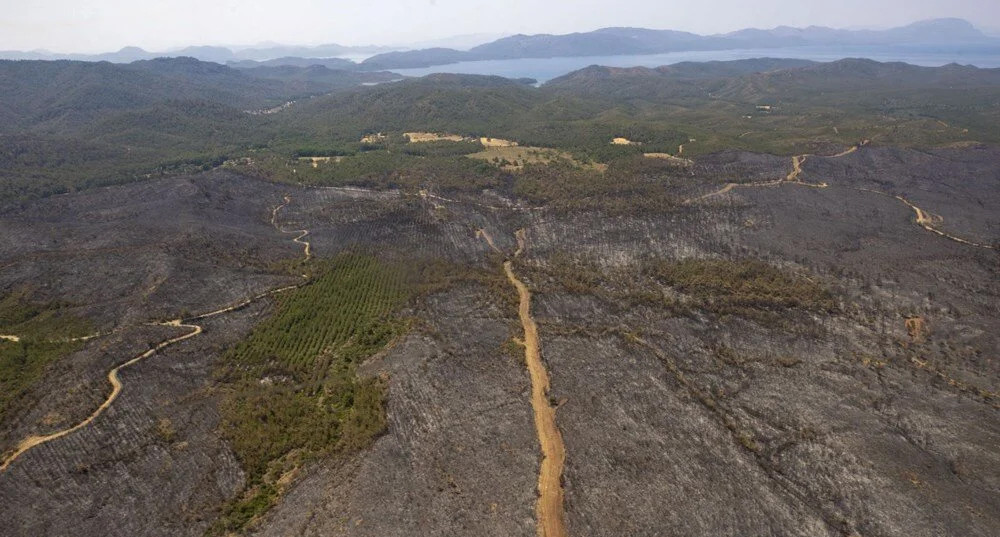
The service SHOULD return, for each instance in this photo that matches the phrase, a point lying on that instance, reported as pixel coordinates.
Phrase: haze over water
(545, 69)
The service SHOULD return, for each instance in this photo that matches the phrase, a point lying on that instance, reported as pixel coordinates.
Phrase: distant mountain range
(205, 53)
(939, 33)
(947, 34)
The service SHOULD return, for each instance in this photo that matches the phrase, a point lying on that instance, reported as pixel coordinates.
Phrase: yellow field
(623, 141)
(496, 142)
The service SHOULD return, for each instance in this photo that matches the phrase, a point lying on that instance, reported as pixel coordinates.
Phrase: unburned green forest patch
(442, 167)
(44, 332)
(292, 389)
(628, 186)
(736, 287)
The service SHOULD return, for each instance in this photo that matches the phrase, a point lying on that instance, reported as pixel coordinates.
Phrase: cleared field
(623, 141)
(316, 160)
(419, 137)
(496, 142)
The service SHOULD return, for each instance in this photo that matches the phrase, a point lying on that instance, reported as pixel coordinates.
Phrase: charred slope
(842, 383)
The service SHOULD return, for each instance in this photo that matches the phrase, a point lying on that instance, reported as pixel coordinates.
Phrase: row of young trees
(293, 391)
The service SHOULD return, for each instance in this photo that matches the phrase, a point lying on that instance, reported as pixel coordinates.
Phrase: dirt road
(551, 520)
(116, 384)
(489, 240)
(925, 219)
(928, 220)
(303, 233)
(116, 388)
(792, 177)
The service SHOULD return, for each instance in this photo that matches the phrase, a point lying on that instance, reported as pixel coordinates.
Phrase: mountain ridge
(618, 41)
(609, 41)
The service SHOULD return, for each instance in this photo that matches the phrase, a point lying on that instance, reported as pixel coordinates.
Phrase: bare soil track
(116, 384)
(925, 219)
(549, 508)
(302, 232)
(116, 388)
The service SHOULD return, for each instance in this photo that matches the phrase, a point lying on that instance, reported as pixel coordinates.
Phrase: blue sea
(545, 69)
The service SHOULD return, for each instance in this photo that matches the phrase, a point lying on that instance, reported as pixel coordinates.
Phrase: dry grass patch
(420, 137)
(670, 158)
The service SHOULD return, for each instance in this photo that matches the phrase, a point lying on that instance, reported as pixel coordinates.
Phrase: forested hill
(65, 95)
(952, 94)
(69, 125)
(788, 76)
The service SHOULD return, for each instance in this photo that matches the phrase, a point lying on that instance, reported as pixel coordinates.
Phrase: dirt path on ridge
(925, 219)
(928, 220)
(302, 232)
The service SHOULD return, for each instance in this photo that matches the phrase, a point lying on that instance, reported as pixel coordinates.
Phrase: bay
(545, 69)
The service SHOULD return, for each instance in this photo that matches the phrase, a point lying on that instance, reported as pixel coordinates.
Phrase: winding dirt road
(925, 219)
(116, 388)
(489, 240)
(302, 232)
(792, 177)
(116, 384)
(549, 508)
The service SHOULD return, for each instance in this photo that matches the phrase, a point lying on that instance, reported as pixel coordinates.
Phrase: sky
(107, 25)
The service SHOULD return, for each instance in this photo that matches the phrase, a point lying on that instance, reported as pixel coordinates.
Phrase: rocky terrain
(847, 387)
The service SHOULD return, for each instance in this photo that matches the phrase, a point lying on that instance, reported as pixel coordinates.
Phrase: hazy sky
(103, 25)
